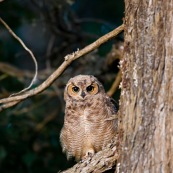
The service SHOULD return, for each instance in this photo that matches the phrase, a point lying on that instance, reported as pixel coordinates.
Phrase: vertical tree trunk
(147, 87)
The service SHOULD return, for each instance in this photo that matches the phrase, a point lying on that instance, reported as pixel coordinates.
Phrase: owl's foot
(88, 156)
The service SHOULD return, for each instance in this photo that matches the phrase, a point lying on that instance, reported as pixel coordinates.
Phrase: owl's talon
(81, 161)
(88, 155)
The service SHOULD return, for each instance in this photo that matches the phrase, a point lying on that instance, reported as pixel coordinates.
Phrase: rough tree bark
(147, 87)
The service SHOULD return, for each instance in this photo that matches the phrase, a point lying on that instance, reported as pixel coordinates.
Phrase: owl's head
(83, 86)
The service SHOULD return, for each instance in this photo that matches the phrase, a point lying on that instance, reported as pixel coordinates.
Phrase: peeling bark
(147, 87)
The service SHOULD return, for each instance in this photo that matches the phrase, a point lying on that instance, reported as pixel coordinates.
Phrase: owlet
(88, 126)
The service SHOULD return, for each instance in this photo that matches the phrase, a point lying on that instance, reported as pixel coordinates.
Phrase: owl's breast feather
(85, 122)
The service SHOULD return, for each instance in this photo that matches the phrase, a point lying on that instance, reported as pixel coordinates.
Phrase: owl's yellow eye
(75, 89)
(90, 88)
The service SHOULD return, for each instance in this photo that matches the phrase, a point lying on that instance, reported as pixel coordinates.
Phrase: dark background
(29, 132)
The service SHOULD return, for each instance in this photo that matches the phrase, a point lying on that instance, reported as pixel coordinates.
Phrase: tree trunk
(147, 87)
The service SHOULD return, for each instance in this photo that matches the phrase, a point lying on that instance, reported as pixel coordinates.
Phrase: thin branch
(115, 53)
(68, 59)
(13, 71)
(115, 85)
(28, 50)
(46, 120)
(8, 105)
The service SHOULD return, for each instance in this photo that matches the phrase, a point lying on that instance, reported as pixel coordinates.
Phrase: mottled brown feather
(86, 129)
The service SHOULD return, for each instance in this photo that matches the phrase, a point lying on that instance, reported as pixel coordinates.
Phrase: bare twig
(115, 85)
(115, 53)
(13, 71)
(47, 119)
(68, 59)
(28, 50)
(9, 104)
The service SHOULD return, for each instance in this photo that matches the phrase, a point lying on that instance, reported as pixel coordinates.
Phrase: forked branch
(13, 100)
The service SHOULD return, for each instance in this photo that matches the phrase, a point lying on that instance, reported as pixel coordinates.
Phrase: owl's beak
(83, 94)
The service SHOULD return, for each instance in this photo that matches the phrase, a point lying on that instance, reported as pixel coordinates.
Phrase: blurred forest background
(29, 132)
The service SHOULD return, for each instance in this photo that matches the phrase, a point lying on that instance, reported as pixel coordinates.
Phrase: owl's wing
(112, 109)
(114, 105)
(111, 105)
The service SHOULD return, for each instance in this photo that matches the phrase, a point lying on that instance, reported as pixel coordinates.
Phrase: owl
(88, 126)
